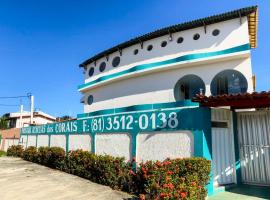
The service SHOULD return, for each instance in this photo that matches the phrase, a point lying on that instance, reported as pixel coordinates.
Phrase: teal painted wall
(138, 119)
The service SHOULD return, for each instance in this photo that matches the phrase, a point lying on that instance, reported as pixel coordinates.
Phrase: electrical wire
(9, 105)
(13, 97)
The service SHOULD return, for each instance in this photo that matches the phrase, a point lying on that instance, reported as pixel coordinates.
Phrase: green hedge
(106, 170)
(2, 153)
(15, 151)
(171, 179)
(174, 179)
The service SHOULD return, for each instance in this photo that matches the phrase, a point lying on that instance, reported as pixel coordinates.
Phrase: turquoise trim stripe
(143, 107)
(179, 59)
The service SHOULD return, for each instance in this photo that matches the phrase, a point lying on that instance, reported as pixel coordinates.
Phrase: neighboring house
(39, 118)
(9, 137)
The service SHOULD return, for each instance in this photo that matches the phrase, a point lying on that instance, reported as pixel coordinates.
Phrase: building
(210, 55)
(9, 137)
(149, 97)
(18, 120)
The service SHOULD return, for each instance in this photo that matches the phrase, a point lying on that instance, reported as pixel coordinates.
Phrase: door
(254, 143)
(223, 147)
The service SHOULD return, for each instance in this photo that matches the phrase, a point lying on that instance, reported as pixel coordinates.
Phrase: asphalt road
(20, 180)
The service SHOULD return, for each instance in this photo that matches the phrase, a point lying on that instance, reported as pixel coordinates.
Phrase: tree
(3, 123)
(63, 118)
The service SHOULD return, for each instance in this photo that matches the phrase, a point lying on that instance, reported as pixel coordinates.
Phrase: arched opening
(229, 82)
(188, 86)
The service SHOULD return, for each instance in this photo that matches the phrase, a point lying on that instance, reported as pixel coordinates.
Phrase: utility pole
(21, 113)
(31, 107)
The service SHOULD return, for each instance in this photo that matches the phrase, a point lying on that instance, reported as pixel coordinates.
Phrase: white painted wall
(116, 144)
(9, 142)
(23, 140)
(58, 141)
(143, 88)
(229, 36)
(43, 141)
(146, 89)
(80, 142)
(162, 145)
(31, 140)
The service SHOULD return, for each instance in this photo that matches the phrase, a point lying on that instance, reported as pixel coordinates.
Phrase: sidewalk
(21, 180)
(244, 192)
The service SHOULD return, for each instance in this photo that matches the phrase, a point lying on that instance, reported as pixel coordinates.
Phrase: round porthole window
(163, 44)
(102, 66)
(90, 99)
(136, 51)
(196, 36)
(91, 71)
(116, 61)
(180, 40)
(215, 32)
(150, 47)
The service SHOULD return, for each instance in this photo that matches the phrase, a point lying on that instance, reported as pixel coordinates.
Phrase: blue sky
(43, 42)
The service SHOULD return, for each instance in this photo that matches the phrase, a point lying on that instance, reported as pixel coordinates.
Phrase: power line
(13, 97)
(9, 105)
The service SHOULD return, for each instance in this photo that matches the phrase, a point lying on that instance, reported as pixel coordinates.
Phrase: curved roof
(251, 12)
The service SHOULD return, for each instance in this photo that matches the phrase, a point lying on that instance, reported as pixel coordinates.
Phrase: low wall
(144, 132)
(8, 138)
(156, 134)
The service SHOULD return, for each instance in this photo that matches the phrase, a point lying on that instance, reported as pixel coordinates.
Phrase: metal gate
(254, 141)
(223, 147)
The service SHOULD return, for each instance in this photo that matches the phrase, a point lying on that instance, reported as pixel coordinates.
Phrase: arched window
(229, 82)
(188, 86)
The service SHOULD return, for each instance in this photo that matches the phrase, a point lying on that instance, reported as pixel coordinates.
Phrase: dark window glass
(188, 86)
(90, 99)
(164, 44)
(102, 66)
(180, 40)
(229, 82)
(91, 71)
(116, 61)
(219, 124)
(196, 36)
(215, 32)
(136, 51)
(150, 47)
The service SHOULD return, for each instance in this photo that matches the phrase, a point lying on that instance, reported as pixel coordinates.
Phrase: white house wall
(31, 140)
(229, 37)
(58, 141)
(42, 141)
(160, 146)
(159, 87)
(118, 144)
(80, 142)
(9, 142)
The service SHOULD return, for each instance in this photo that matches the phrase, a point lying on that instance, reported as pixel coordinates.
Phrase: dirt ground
(20, 180)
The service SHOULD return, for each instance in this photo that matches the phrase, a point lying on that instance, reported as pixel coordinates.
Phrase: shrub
(2, 153)
(106, 170)
(15, 151)
(53, 157)
(43, 155)
(171, 179)
(30, 154)
(174, 179)
(56, 157)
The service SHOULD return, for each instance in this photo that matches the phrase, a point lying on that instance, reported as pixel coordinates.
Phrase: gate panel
(254, 142)
(223, 147)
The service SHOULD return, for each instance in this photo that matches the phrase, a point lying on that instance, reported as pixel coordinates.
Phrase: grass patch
(2, 153)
